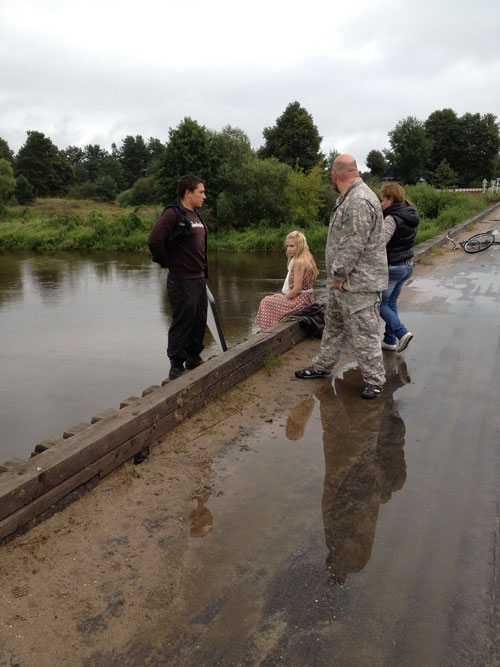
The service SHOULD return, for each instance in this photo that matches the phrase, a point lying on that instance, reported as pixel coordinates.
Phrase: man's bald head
(344, 172)
(344, 163)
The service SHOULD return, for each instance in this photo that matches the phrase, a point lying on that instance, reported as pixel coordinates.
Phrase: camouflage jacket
(355, 248)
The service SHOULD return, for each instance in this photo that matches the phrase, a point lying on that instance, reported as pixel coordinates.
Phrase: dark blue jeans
(394, 328)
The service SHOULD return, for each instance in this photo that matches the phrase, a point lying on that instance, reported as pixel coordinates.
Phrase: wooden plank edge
(284, 337)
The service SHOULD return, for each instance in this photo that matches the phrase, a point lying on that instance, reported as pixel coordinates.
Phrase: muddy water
(79, 333)
(351, 532)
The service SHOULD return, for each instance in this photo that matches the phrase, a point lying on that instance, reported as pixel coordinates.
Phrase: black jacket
(175, 244)
(400, 247)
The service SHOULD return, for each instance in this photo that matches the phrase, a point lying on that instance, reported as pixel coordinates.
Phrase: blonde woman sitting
(298, 286)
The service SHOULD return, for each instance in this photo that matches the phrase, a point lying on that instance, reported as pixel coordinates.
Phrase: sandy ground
(81, 581)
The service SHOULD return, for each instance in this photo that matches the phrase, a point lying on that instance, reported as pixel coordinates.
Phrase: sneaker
(175, 372)
(404, 341)
(389, 346)
(193, 363)
(371, 391)
(311, 372)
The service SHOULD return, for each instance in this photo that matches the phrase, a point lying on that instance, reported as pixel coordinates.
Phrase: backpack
(182, 228)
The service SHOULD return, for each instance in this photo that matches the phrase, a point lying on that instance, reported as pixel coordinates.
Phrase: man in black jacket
(178, 241)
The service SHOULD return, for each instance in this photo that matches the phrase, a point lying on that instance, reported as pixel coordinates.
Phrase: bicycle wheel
(479, 242)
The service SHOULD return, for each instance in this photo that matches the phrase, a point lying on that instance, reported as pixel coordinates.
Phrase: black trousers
(188, 299)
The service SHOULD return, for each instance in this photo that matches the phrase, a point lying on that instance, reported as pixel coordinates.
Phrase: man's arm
(159, 234)
(357, 226)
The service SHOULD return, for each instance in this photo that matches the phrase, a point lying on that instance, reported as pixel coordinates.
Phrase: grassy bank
(438, 213)
(61, 224)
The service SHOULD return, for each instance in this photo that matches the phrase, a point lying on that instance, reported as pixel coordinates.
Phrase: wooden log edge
(32, 490)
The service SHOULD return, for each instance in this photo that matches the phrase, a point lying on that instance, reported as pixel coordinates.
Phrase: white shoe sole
(404, 342)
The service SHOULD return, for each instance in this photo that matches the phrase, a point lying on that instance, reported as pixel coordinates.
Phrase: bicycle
(478, 242)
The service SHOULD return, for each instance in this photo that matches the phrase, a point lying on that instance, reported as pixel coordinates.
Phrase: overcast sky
(96, 71)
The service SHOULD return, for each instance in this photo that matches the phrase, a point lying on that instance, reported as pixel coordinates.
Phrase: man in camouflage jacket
(356, 264)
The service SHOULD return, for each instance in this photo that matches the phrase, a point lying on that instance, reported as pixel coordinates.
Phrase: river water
(80, 333)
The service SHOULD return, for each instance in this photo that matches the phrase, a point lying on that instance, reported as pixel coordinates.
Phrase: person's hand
(339, 286)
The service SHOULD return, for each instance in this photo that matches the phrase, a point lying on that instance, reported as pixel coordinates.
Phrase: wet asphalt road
(361, 532)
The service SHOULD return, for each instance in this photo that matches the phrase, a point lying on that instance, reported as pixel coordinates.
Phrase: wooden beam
(117, 435)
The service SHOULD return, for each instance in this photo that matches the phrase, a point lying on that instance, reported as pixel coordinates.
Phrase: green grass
(272, 361)
(63, 224)
(53, 224)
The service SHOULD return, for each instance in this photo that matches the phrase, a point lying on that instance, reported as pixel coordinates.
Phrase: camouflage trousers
(352, 320)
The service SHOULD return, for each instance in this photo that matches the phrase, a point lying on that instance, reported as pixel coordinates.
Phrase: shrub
(143, 192)
(425, 198)
(82, 191)
(24, 192)
(105, 189)
(124, 198)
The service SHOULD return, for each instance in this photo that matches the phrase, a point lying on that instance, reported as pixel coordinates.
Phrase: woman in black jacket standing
(400, 225)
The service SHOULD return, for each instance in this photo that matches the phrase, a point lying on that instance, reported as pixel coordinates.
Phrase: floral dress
(273, 308)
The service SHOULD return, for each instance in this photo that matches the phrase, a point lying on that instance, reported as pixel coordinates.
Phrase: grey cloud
(432, 55)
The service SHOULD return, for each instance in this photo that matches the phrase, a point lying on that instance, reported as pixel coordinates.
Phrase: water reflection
(297, 419)
(201, 518)
(364, 464)
(11, 282)
(363, 443)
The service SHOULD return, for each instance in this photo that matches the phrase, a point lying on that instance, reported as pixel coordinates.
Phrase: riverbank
(117, 578)
(61, 224)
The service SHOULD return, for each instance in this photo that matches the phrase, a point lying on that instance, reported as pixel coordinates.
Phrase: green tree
(154, 149)
(329, 160)
(142, 192)
(496, 167)
(45, 167)
(7, 180)
(376, 163)
(443, 129)
(111, 166)
(294, 139)
(304, 193)
(134, 158)
(257, 195)
(105, 189)
(479, 143)
(5, 152)
(410, 149)
(24, 192)
(230, 148)
(93, 157)
(75, 155)
(189, 151)
(444, 175)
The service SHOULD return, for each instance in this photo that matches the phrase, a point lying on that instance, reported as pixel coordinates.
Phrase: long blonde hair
(303, 254)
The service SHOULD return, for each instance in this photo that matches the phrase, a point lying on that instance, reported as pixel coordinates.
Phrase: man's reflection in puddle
(364, 464)
(201, 519)
(297, 419)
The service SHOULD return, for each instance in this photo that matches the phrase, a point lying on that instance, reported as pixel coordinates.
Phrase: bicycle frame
(477, 242)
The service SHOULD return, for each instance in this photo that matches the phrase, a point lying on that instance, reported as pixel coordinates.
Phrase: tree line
(445, 149)
(287, 180)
